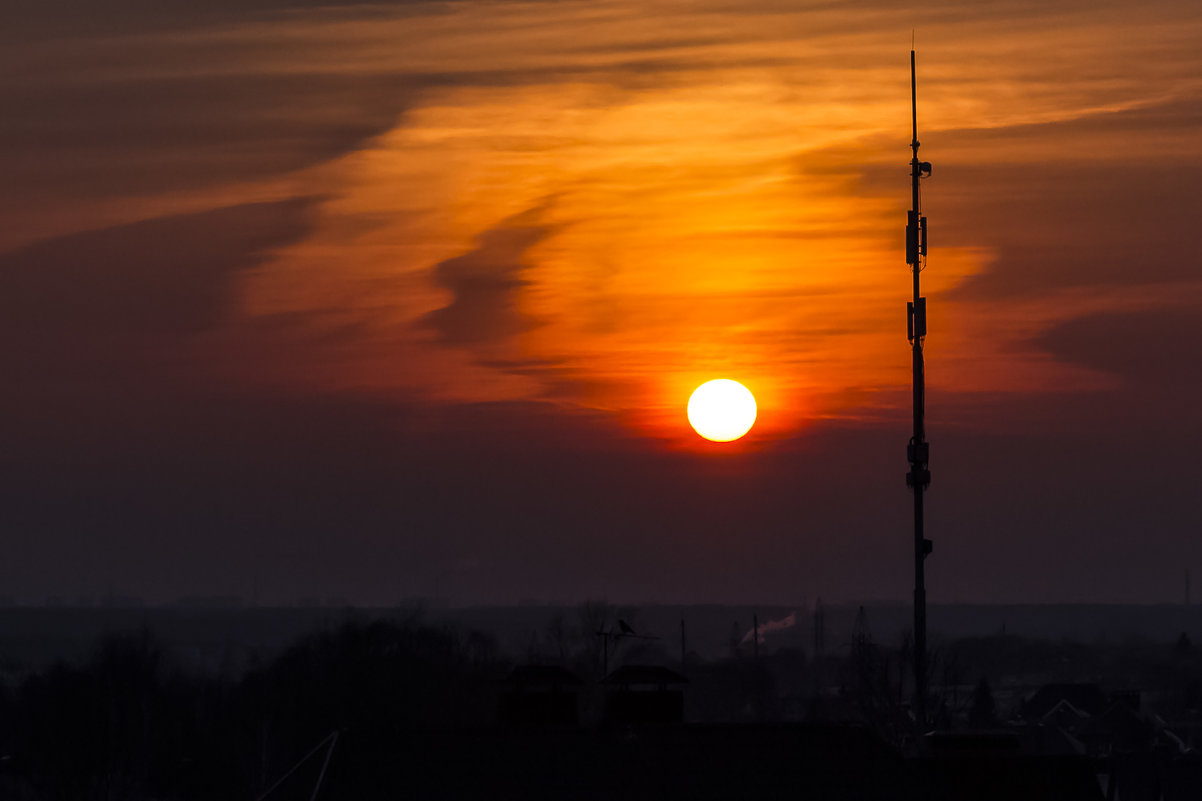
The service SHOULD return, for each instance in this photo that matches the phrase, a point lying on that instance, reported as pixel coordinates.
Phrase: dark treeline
(129, 722)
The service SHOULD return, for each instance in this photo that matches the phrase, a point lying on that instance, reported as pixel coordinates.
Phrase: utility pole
(918, 452)
(819, 646)
(605, 636)
(682, 643)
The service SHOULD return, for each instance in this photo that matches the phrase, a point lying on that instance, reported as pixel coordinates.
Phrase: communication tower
(918, 452)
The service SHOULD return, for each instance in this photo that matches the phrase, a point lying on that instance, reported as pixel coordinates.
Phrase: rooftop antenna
(624, 631)
(917, 452)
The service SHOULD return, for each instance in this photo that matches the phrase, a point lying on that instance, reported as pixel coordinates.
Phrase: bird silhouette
(624, 627)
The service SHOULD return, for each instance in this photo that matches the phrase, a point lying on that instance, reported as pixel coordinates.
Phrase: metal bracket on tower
(918, 452)
(916, 236)
(916, 319)
(912, 240)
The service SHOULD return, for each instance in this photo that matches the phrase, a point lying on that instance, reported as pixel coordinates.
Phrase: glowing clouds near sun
(722, 410)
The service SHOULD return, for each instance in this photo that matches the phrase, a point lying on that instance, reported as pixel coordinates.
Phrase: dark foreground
(796, 761)
(389, 709)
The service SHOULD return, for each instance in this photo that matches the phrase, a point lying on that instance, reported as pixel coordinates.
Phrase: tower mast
(919, 476)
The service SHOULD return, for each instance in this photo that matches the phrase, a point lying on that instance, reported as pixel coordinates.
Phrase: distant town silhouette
(204, 703)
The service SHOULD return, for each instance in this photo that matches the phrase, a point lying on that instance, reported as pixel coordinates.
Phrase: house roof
(1087, 698)
(645, 674)
(973, 741)
(542, 676)
(1122, 727)
(771, 762)
(1064, 715)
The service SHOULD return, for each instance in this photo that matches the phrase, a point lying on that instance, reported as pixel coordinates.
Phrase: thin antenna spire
(914, 114)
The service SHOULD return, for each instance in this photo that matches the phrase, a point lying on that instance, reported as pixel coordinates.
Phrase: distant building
(1084, 698)
(1004, 763)
(644, 694)
(1135, 754)
(540, 695)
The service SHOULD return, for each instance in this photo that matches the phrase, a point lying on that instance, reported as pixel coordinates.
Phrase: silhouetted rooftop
(1087, 698)
(689, 763)
(542, 676)
(645, 674)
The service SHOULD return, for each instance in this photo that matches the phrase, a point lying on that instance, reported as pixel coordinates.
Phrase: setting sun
(722, 410)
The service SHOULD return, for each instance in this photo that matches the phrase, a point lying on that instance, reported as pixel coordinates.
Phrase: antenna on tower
(918, 452)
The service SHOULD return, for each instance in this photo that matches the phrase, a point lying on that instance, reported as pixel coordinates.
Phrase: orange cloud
(707, 191)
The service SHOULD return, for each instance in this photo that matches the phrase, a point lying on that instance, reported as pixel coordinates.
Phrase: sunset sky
(377, 301)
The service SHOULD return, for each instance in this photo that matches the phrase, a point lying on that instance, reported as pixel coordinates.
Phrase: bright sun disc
(721, 410)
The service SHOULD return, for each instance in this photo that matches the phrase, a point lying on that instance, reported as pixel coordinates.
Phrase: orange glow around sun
(722, 410)
(586, 235)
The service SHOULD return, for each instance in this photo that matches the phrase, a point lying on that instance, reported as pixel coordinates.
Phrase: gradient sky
(385, 300)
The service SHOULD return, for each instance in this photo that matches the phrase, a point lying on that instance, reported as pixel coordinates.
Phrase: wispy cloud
(486, 283)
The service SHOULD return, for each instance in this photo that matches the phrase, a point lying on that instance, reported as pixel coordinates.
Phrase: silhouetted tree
(732, 691)
(380, 674)
(868, 681)
(561, 637)
(106, 730)
(983, 712)
(600, 634)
